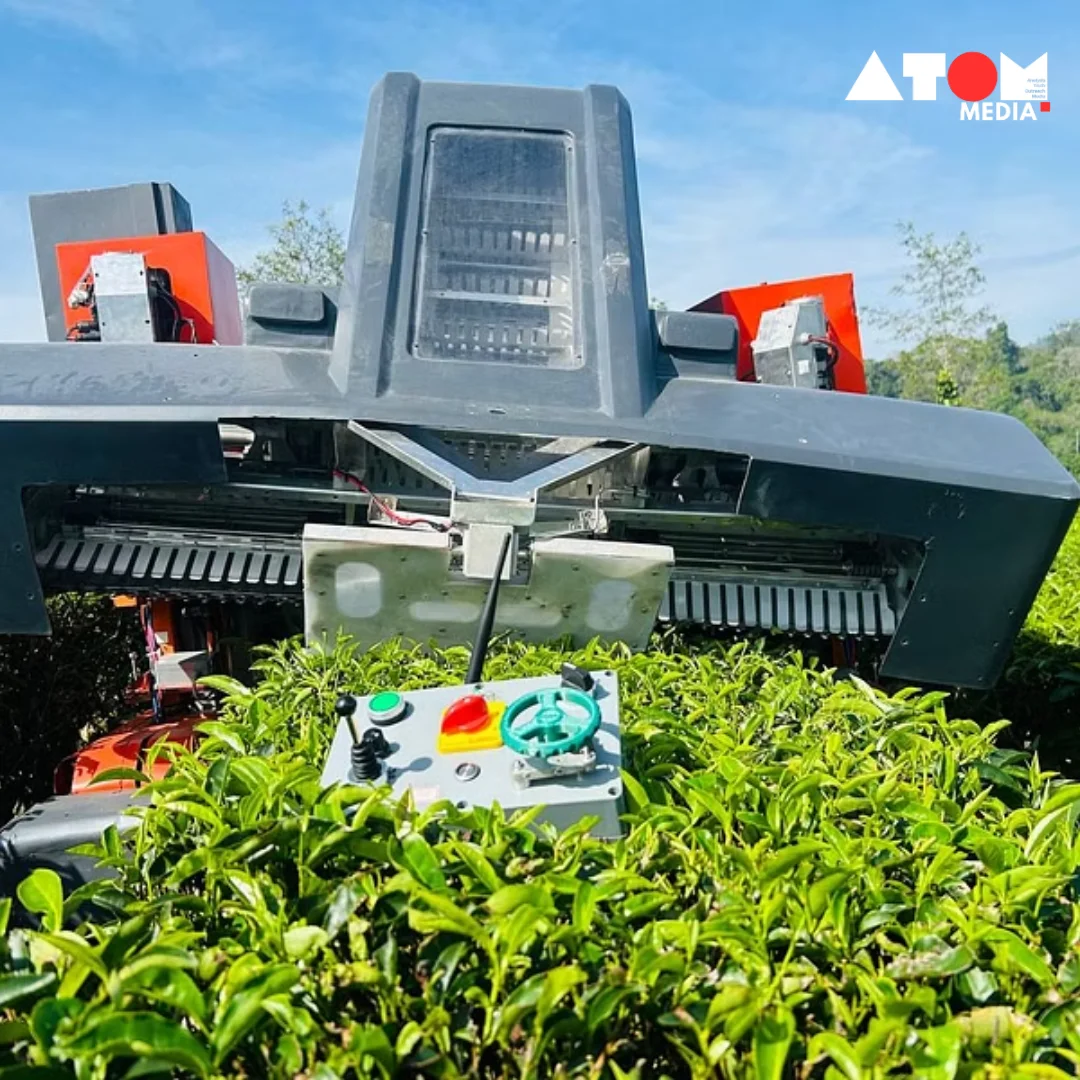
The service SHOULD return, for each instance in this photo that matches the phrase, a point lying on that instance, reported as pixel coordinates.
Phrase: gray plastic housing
(375, 345)
(416, 765)
(67, 216)
(987, 501)
(43, 836)
(290, 315)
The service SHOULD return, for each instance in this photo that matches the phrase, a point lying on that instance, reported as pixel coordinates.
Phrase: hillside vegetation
(1038, 384)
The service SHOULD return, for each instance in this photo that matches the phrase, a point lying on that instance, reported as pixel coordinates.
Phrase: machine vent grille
(190, 563)
(497, 274)
(187, 563)
(790, 608)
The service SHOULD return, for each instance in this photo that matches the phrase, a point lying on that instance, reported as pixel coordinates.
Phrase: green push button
(386, 707)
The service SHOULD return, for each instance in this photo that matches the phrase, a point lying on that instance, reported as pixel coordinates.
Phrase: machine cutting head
(490, 371)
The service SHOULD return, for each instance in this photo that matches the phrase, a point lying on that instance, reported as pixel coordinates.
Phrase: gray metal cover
(991, 504)
(122, 297)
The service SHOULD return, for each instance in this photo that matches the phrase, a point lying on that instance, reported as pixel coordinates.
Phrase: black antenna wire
(487, 617)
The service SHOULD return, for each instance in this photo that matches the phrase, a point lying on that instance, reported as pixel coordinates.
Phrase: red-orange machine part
(126, 748)
(838, 294)
(203, 279)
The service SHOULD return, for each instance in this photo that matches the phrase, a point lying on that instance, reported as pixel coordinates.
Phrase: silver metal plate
(122, 297)
(374, 584)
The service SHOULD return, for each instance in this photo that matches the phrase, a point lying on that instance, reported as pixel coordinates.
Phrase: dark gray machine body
(977, 498)
(43, 836)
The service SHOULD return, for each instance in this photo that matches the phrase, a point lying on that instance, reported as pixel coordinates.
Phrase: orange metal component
(125, 748)
(164, 622)
(203, 279)
(838, 293)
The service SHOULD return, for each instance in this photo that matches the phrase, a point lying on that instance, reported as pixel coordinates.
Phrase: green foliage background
(58, 692)
(1038, 384)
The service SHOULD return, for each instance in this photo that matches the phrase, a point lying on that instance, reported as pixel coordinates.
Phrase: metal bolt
(467, 770)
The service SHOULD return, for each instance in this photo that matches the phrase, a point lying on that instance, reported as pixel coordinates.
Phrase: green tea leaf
(242, 1010)
(1013, 954)
(788, 858)
(511, 897)
(15, 988)
(421, 861)
(170, 985)
(771, 1044)
(839, 1051)
(301, 941)
(140, 1034)
(43, 894)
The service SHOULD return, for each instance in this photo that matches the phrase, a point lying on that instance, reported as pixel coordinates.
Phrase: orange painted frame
(203, 279)
(838, 293)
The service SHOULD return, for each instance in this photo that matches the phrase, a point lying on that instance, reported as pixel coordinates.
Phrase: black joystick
(577, 677)
(345, 707)
(374, 738)
(365, 761)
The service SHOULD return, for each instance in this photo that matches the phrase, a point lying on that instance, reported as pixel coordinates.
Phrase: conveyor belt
(183, 563)
(194, 563)
(792, 608)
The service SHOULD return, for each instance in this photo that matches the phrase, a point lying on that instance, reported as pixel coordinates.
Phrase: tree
(942, 283)
(1005, 350)
(308, 249)
(884, 378)
(948, 393)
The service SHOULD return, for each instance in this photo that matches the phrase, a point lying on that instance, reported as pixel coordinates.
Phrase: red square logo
(1044, 106)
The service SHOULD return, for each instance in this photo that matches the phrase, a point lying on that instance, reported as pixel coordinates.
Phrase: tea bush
(817, 880)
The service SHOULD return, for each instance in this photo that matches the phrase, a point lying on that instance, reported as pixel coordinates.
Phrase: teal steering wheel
(552, 730)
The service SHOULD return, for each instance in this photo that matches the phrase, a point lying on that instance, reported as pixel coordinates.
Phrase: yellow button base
(487, 738)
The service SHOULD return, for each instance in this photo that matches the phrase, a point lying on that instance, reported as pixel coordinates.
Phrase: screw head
(467, 770)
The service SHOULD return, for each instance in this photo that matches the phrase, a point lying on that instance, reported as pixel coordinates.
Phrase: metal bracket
(528, 771)
(474, 500)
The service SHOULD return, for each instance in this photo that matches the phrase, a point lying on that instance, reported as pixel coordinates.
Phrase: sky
(752, 165)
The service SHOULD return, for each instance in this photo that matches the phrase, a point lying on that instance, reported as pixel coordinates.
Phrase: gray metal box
(783, 350)
(416, 764)
(122, 297)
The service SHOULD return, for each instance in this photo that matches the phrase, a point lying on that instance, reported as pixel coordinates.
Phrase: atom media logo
(972, 77)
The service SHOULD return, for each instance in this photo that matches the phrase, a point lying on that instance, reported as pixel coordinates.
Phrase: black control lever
(487, 618)
(577, 677)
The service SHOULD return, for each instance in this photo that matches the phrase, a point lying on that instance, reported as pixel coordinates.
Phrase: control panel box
(519, 743)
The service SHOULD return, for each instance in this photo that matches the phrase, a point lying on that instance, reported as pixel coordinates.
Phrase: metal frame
(985, 497)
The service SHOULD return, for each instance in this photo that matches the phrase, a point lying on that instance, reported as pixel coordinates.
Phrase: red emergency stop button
(471, 723)
(469, 713)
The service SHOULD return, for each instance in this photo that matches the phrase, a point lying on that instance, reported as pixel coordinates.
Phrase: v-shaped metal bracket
(477, 500)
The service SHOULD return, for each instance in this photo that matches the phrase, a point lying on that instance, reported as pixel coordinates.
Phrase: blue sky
(752, 165)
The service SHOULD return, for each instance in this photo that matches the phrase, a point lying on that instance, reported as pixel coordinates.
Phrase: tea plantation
(819, 879)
